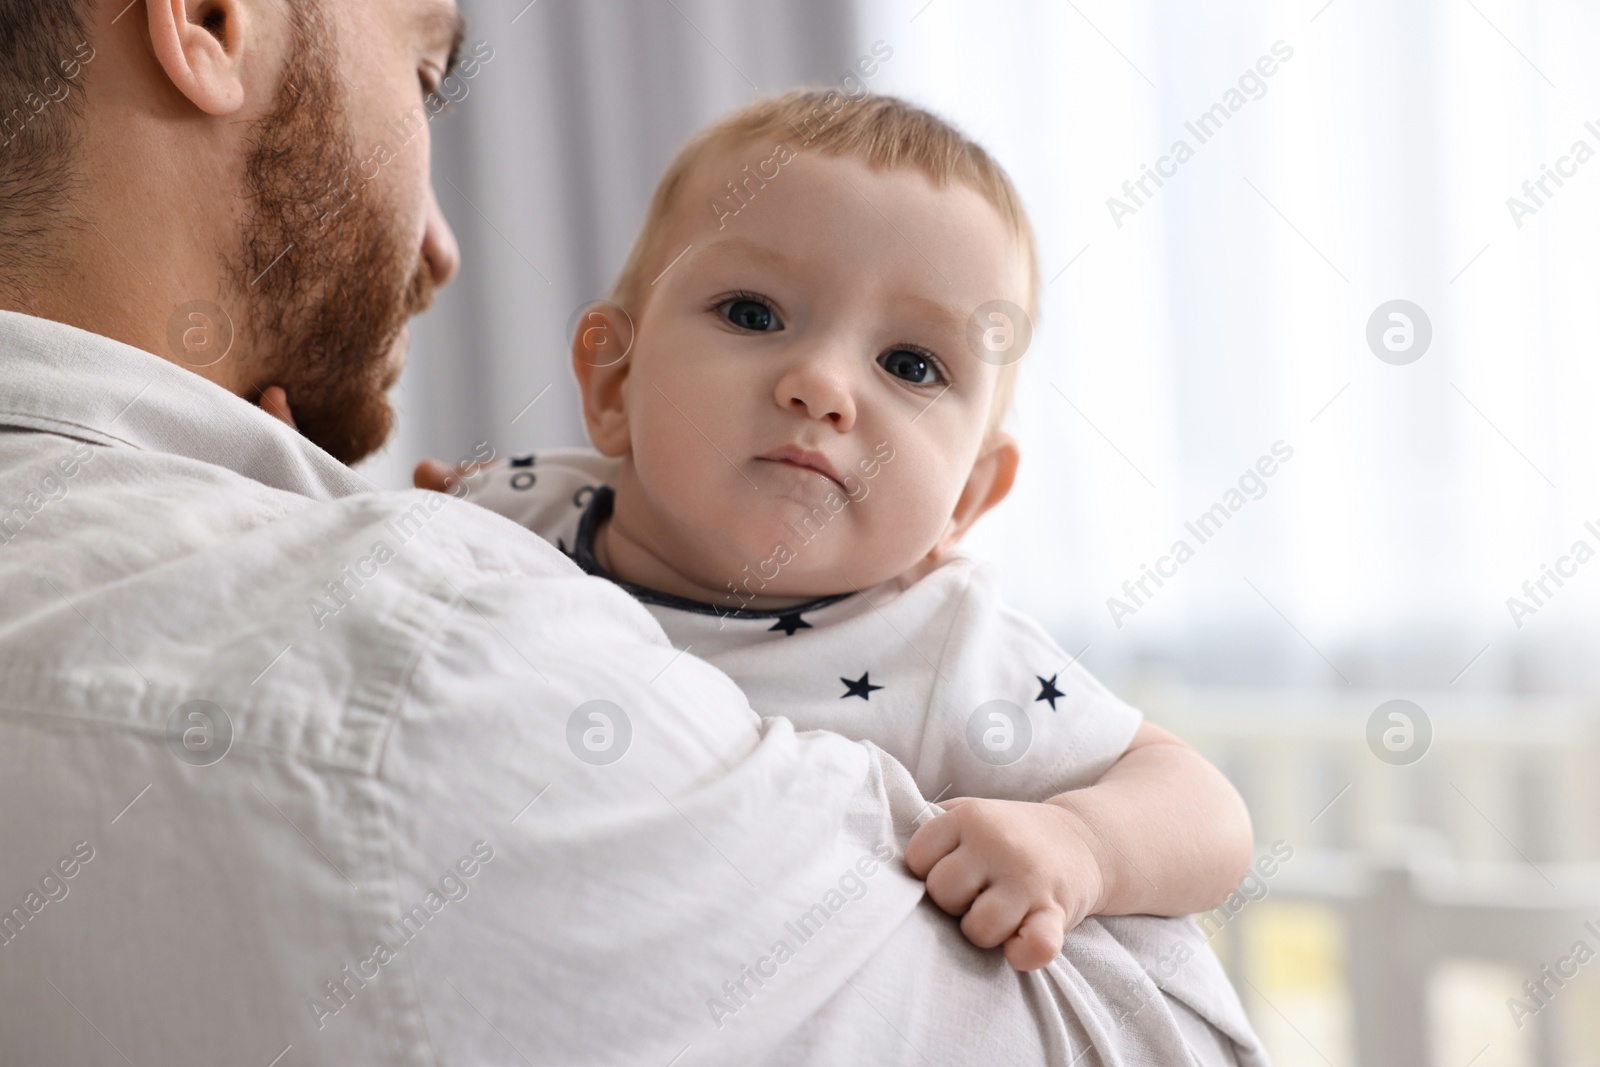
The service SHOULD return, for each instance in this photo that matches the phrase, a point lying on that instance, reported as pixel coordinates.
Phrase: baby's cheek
(672, 459)
(902, 519)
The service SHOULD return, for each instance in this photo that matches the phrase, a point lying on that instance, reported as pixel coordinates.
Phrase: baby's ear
(991, 479)
(601, 342)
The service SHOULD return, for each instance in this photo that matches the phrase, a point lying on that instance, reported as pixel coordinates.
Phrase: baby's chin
(789, 571)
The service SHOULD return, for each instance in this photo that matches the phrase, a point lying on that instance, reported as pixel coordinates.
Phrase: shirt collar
(61, 380)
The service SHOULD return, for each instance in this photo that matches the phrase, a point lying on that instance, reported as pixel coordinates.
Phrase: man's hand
(1020, 874)
(445, 478)
(275, 402)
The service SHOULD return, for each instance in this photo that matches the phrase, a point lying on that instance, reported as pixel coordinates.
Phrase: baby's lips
(804, 457)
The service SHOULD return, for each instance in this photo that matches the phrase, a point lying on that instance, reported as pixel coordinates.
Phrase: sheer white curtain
(1229, 312)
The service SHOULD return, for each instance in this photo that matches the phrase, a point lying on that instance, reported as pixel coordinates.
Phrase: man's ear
(991, 479)
(200, 46)
(601, 342)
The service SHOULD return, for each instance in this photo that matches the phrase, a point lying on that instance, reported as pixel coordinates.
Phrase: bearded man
(239, 829)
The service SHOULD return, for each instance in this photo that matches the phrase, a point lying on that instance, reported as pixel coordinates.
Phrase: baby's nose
(819, 392)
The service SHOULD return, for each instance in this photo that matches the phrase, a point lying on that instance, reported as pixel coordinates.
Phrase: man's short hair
(882, 131)
(43, 49)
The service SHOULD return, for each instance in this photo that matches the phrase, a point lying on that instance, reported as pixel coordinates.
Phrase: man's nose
(439, 246)
(819, 386)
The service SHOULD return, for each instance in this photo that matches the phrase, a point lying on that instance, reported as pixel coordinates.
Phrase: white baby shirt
(974, 698)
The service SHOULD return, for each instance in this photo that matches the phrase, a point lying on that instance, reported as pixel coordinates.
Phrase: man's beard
(327, 278)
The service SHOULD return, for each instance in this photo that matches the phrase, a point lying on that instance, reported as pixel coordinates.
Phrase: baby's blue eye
(748, 314)
(910, 366)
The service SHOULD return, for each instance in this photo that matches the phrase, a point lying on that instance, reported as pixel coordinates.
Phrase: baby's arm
(1161, 833)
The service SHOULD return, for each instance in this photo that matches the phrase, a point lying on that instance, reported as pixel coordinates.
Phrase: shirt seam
(13, 419)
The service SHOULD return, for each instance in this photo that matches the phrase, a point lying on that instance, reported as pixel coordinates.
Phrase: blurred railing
(1439, 910)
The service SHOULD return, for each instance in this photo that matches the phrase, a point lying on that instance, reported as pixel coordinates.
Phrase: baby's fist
(1020, 875)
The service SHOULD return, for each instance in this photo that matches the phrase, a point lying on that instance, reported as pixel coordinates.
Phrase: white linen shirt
(973, 698)
(296, 772)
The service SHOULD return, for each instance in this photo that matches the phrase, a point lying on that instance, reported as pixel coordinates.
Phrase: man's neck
(109, 295)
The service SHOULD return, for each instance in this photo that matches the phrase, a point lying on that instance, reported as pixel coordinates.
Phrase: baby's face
(802, 407)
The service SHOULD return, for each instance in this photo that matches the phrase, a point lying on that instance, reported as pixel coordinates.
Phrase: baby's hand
(1021, 874)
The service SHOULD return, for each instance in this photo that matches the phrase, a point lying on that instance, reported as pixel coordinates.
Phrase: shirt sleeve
(655, 843)
(1011, 715)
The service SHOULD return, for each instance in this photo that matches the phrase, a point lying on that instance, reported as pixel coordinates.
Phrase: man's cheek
(402, 181)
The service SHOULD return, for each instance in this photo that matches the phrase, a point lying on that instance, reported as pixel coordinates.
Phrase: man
(296, 771)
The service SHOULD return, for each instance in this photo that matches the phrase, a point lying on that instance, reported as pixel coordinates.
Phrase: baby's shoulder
(565, 464)
(958, 590)
(547, 492)
(982, 633)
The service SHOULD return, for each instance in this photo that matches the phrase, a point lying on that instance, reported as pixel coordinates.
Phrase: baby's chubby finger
(1038, 940)
(955, 881)
(933, 841)
(994, 917)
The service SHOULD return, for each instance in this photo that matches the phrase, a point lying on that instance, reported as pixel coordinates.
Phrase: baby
(795, 397)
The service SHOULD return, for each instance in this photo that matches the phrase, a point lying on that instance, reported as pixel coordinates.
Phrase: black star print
(1049, 691)
(861, 687)
(789, 624)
